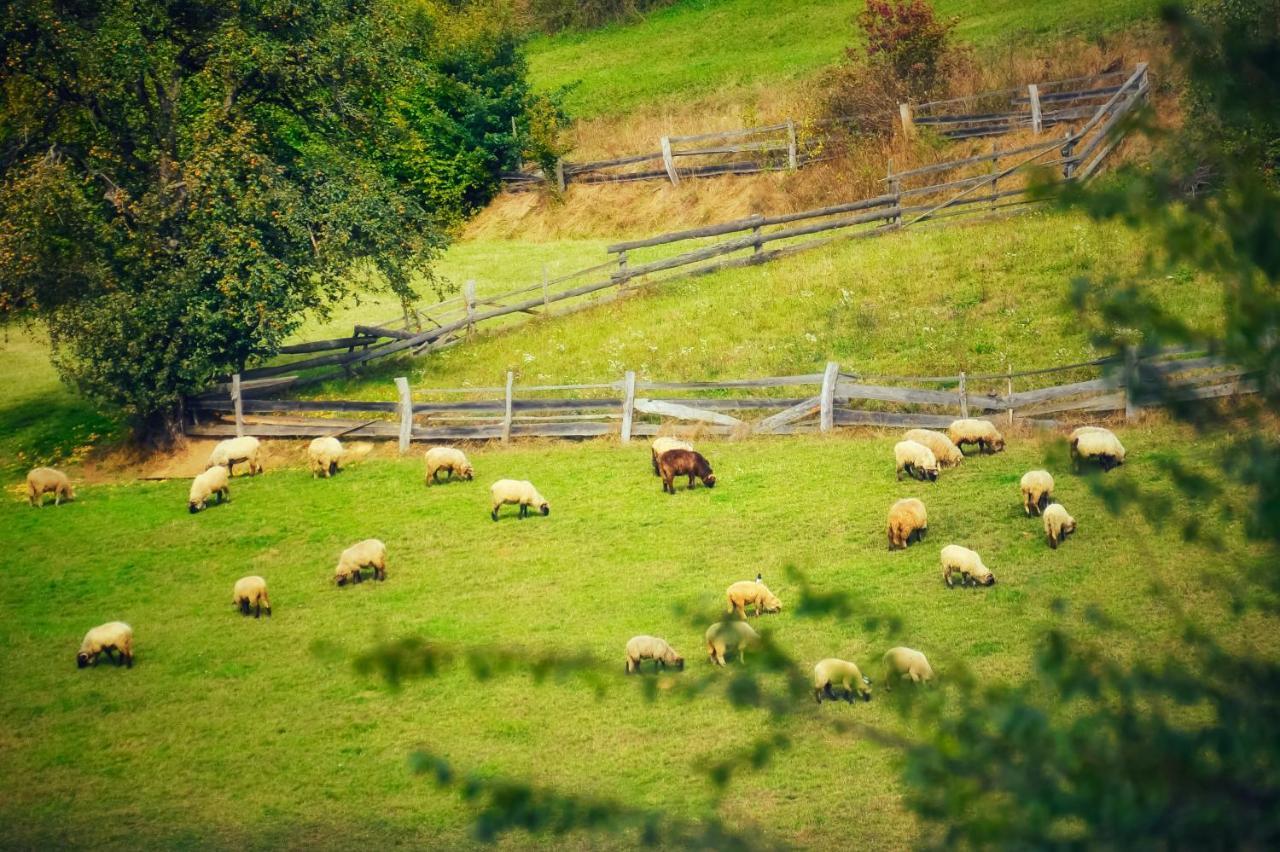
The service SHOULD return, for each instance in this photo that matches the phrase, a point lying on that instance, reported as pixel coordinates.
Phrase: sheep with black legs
(250, 593)
(105, 638)
(1095, 444)
(905, 664)
(212, 481)
(1058, 524)
(947, 453)
(518, 492)
(916, 460)
(451, 460)
(1037, 488)
(233, 451)
(730, 637)
(832, 672)
(908, 522)
(981, 432)
(966, 563)
(752, 593)
(325, 454)
(688, 463)
(641, 648)
(370, 553)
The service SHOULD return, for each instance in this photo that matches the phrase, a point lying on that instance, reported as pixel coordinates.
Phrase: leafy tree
(907, 37)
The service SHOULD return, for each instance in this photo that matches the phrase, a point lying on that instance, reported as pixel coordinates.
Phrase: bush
(552, 16)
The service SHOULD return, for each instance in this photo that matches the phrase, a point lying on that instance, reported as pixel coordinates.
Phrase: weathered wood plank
(846, 391)
(684, 412)
(1102, 402)
(729, 384)
(787, 416)
(1033, 397)
(688, 234)
(326, 345)
(380, 331)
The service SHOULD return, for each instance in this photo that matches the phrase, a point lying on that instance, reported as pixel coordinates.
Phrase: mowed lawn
(235, 732)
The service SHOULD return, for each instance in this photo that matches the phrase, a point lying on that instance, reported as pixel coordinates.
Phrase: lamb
(724, 637)
(1058, 524)
(251, 592)
(651, 648)
(1037, 488)
(449, 459)
(966, 563)
(520, 492)
(835, 671)
(212, 481)
(752, 593)
(1098, 444)
(370, 553)
(234, 451)
(42, 480)
(947, 453)
(916, 459)
(905, 664)
(661, 445)
(980, 432)
(112, 636)
(908, 522)
(325, 454)
(675, 463)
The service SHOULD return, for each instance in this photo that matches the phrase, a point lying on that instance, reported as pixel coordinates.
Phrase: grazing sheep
(675, 463)
(1058, 525)
(966, 563)
(449, 459)
(651, 648)
(916, 460)
(661, 445)
(112, 636)
(905, 664)
(251, 592)
(370, 553)
(835, 671)
(752, 593)
(517, 491)
(42, 480)
(725, 637)
(325, 454)
(234, 451)
(212, 481)
(908, 522)
(1037, 488)
(1096, 444)
(947, 453)
(980, 432)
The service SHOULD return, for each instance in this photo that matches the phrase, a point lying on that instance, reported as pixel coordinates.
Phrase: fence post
(237, 404)
(1008, 389)
(669, 161)
(757, 246)
(544, 285)
(560, 181)
(993, 169)
(827, 402)
(622, 270)
(506, 417)
(908, 121)
(469, 299)
(964, 397)
(1033, 95)
(1068, 148)
(628, 403)
(895, 187)
(793, 161)
(1130, 383)
(406, 413)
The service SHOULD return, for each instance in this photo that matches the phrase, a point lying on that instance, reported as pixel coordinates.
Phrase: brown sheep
(908, 522)
(45, 480)
(675, 463)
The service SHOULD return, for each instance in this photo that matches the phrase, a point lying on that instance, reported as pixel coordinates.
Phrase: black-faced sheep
(675, 463)
(251, 593)
(449, 459)
(324, 454)
(966, 563)
(726, 637)
(947, 453)
(651, 648)
(370, 553)
(753, 593)
(112, 636)
(905, 664)
(980, 432)
(45, 480)
(1093, 443)
(1037, 488)
(916, 460)
(908, 522)
(234, 451)
(1057, 525)
(519, 492)
(212, 481)
(831, 672)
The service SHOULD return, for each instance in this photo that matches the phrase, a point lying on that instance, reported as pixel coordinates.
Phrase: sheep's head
(864, 688)
(82, 660)
(997, 444)
(71, 493)
(709, 480)
(987, 579)
(342, 577)
(771, 602)
(673, 659)
(467, 472)
(931, 473)
(545, 508)
(1068, 527)
(194, 506)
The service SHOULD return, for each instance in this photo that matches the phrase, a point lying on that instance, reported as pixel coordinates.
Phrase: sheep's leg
(691, 476)
(257, 612)
(1053, 543)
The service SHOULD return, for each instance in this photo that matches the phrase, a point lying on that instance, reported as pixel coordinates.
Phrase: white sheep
(1096, 444)
(905, 664)
(519, 492)
(725, 637)
(966, 563)
(980, 432)
(370, 553)
(212, 481)
(112, 636)
(449, 459)
(234, 451)
(916, 460)
(1058, 524)
(908, 522)
(43, 480)
(753, 593)
(947, 453)
(1037, 488)
(832, 671)
(325, 454)
(651, 648)
(251, 593)
(661, 445)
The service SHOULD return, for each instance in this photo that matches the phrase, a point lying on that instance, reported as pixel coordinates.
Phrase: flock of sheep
(922, 454)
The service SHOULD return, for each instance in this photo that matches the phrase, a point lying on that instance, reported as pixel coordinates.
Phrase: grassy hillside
(696, 47)
(236, 732)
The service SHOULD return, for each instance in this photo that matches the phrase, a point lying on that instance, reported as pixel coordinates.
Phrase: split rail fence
(815, 402)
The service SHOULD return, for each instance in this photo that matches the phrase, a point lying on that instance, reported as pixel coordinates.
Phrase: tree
(179, 181)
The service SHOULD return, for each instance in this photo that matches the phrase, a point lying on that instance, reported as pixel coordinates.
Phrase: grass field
(697, 47)
(236, 732)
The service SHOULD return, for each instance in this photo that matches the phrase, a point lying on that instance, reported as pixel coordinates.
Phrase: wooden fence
(816, 402)
(977, 185)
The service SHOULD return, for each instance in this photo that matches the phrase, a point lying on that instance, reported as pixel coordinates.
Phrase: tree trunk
(160, 430)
